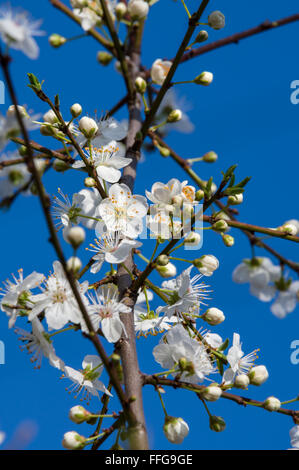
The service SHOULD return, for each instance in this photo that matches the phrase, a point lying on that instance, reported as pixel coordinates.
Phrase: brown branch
(44, 150)
(154, 380)
(235, 38)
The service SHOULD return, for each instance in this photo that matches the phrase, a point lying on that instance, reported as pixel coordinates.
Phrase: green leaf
(224, 345)
(34, 82)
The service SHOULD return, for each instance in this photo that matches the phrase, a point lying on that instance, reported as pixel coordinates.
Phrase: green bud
(162, 260)
(220, 226)
(60, 166)
(217, 423)
(199, 195)
(104, 58)
(141, 85)
(228, 240)
(56, 40)
(202, 36)
(22, 150)
(210, 157)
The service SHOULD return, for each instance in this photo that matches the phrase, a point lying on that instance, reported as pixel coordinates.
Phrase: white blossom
(108, 130)
(112, 249)
(239, 364)
(286, 300)
(179, 345)
(123, 212)
(38, 344)
(169, 103)
(18, 293)
(87, 380)
(184, 294)
(57, 300)
(108, 160)
(294, 436)
(104, 310)
(9, 126)
(259, 272)
(175, 429)
(159, 70)
(17, 30)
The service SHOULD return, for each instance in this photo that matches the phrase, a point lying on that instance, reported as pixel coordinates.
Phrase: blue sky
(247, 118)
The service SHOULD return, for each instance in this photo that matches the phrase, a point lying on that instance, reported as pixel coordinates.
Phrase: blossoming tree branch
(114, 306)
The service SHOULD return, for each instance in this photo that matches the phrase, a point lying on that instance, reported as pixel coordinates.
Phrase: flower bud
(104, 58)
(175, 429)
(88, 127)
(210, 157)
(75, 236)
(174, 116)
(205, 78)
(216, 20)
(211, 393)
(90, 182)
(193, 239)
(74, 264)
(202, 36)
(220, 226)
(76, 110)
(22, 150)
(228, 240)
(164, 152)
(235, 199)
(169, 270)
(120, 10)
(141, 85)
(258, 375)
(73, 441)
(78, 414)
(199, 195)
(159, 71)
(217, 423)
(290, 229)
(221, 215)
(60, 166)
(50, 117)
(272, 404)
(56, 40)
(162, 260)
(206, 264)
(40, 165)
(12, 111)
(46, 130)
(213, 316)
(138, 9)
(242, 381)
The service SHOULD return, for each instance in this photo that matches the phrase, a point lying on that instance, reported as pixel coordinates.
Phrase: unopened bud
(50, 117)
(217, 423)
(202, 36)
(216, 20)
(138, 9)
(104, 58)
(162, 260)
(228, 240)
(272, 404)
(290, 229)
(74, 264)
(90, 182)
(141, 85)
(73, 441)
(206, 264)
(211, 393)
(210, 157)
(242, 381)
(235, 199)
(76, 110)
(88, 127)
(213, 316)
(205, 78)
(220, 226)
(120, 10)
(169, 270)
(75, 236)
(193, 238)
(60, 166)
(175, 429)
(174, 116)
(22, 150)
(12, 111)
(199, 195)
(56, 40)
(78, 414)
(258, 375)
